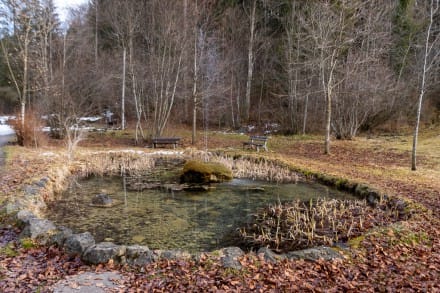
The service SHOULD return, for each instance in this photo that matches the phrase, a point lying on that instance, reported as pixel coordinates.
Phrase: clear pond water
(192, 221)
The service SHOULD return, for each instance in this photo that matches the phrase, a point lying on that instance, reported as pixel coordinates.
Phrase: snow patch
(6, 129)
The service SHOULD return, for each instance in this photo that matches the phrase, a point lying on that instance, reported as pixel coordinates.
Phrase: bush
(29, 133)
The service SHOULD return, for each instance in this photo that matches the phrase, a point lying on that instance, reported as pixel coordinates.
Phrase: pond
(191, 221)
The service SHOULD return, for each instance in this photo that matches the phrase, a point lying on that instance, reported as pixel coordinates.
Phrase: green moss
(341, 183)
(205, 172)
(27, 243)
(9, 250)
(356, 242)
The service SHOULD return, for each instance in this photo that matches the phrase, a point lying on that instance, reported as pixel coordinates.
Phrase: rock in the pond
(230, 257)
(103, 252)
(102, 199)
(315, 253)
(205, 172)
(76, 244)
(256, 189)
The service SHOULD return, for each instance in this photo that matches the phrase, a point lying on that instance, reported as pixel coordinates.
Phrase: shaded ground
(404, 256)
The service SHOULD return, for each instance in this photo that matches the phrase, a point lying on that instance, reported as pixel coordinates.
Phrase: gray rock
(139, 255)
(25, 216)
(173, 254)
(270, 256)
(39, 229)
(42, 182)
(13, 207)
(90, 282)
(102, 199)
(103, 252)
(76, 244)
(315, 253)
(230, 257)
(373, 198)
(61, 235)
(31, 190)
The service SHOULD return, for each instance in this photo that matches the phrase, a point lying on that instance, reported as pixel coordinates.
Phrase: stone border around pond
(47, 233)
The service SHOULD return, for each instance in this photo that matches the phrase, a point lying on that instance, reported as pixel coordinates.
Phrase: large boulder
(76, 244)
(41, 230)
(103, 252)
(139, 255)
(198, 172)
(230, 256)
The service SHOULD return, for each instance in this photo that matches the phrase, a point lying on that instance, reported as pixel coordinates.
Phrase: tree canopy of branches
(331, 67)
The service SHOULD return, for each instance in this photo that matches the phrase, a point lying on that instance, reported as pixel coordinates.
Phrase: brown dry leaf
(74, 285)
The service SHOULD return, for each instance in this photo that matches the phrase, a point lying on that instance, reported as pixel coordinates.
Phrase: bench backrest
(259, 138)
(166, 139)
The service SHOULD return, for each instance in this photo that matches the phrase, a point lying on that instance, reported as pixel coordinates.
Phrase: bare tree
(251, 60)
(164, 58)
(430, 57)
(22, 14)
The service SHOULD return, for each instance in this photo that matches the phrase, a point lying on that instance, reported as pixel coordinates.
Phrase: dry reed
(256, 168)
(299, 225)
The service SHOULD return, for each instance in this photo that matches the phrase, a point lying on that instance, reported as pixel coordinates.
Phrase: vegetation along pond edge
(29, 206)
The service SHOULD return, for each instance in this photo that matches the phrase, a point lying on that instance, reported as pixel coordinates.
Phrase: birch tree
(430, 58)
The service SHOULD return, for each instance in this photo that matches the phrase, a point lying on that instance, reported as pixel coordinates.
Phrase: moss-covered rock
(205, 172)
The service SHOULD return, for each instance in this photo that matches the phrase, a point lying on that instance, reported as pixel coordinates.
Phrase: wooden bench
(166, 140)
(257, 142)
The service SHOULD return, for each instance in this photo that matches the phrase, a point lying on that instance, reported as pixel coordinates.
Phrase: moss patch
(9, 250)
(27, 243)
(205, 172)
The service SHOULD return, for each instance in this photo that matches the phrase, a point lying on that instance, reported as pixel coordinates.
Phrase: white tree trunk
(425, 70)
(124, 53)
(194, 91)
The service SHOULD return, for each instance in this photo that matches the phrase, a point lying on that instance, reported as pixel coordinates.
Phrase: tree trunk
(96, 35)
(194, 91)
(306, 104)
(328, 119)
(25, 80)
(124, 53)
(247, 106)
(422, 86)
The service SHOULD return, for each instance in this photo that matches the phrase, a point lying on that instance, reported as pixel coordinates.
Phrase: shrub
(29, 133)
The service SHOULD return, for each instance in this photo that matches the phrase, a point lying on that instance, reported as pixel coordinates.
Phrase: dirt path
(4, 139)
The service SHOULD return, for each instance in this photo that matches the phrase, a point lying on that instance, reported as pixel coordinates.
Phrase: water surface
(192, 221)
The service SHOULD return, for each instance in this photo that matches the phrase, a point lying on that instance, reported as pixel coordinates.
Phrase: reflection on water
(193, 221)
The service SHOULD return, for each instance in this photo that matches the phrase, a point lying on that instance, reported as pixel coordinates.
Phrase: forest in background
(321, 66)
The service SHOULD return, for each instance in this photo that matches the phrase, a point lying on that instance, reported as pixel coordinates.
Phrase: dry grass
(298, 225)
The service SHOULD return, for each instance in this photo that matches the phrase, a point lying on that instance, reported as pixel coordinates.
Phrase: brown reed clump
(114, 163)
(255, 168)
(299, 225)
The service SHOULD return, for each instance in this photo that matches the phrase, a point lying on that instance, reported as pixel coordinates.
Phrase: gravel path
(90, 282)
